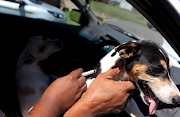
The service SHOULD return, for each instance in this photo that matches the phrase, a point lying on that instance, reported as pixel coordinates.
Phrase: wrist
(80, 109)
(51, 104)
(44, 108)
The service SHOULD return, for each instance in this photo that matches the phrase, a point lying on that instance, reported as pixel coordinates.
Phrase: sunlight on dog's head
(38, 49)
(149, 66)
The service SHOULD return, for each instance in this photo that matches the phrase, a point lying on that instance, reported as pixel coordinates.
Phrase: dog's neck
(32, 70)
(34, 66)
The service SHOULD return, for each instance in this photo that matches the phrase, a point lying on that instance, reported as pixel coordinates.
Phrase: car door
(13, 8)
(24, 10)
(34, 12)
(8, 7)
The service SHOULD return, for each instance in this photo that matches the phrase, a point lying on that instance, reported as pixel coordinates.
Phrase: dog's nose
(176, 99)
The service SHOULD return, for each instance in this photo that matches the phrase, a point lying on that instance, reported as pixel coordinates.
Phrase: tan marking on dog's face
(139, 70)
(170, 64)
(163, 63)
(26, 91)
(132, 45)
(158, 82)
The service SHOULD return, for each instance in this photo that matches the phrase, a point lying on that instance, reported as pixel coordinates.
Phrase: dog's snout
(176, 99)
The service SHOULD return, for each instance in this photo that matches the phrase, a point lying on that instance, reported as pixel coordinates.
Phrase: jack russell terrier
(147, 64)
(30, 79)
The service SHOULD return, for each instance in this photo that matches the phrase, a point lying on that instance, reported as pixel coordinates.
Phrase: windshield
(119, 14)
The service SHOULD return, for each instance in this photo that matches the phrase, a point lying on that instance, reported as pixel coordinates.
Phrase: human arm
(103, 96)
(60, 95)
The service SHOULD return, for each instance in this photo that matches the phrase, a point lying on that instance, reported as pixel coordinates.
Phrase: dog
(147, 64)
(31, 81)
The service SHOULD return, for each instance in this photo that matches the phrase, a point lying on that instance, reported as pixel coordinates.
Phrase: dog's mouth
(149, 96)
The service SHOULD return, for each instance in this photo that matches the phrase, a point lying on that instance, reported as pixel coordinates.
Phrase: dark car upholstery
(15, 33)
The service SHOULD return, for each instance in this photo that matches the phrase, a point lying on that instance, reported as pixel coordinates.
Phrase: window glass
(120, 14)
(69, 6)
(114, 13)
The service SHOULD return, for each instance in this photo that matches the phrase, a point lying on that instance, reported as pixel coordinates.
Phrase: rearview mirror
(75, 15)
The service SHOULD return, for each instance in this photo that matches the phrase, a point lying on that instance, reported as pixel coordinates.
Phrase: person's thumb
(112, 72)
(115, 69)
(128, 85)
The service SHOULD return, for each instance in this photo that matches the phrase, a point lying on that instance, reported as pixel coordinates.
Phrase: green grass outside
(68, 19)
(111, 11)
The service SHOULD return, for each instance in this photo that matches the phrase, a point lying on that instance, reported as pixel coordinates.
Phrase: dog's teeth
(150, 101)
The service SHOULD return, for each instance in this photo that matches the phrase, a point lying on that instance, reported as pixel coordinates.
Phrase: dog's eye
(41, 49)
(156, 71)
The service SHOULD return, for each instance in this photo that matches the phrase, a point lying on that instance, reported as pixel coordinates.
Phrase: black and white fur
(147, 64)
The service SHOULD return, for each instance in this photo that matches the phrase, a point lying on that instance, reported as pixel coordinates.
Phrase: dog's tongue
(154, 102)
(153, 106)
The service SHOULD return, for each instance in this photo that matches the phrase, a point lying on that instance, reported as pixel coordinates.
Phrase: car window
(113, 13)
(122, 15)
(68, 7)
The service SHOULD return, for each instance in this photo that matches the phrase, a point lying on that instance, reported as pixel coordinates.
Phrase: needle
(88, 73)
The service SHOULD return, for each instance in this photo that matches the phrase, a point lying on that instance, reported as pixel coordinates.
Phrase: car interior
(78, 50)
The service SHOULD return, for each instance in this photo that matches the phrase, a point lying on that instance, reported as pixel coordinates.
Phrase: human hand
(103, 96)
(61, 95)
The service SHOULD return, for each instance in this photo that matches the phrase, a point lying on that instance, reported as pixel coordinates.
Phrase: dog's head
(38, 49)
(149, 66)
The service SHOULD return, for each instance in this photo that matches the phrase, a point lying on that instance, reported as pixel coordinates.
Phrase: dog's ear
(25, 58)
(127, 50)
